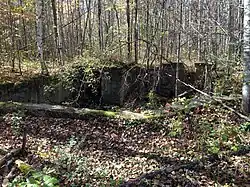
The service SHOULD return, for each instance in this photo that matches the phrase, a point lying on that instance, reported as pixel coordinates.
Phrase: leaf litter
(101, 151)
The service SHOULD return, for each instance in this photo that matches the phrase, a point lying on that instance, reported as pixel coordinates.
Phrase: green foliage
(32, 178)
(74, 80)
(221, 138)
(69, 165)
(214, 135)
(23, 167)
(16, 121)
(181, 101)
(176, 126)
(181, 104)
(228, 85)
(75, 167)
(81, 76)
(35, 179)
(115, 182)
(153, 100)
(132, 122)
(245, 127)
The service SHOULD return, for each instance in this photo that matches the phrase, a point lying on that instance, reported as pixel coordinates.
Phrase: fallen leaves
(101, 151)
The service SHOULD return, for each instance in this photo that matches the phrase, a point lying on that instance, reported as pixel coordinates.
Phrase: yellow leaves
(23, 167)
(44, 151)
(43, 154)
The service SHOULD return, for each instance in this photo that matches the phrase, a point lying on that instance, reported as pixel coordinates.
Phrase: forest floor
(28, 71)
(208, 146)
(9, 76)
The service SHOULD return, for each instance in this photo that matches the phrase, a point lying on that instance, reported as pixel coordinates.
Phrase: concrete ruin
(117, 85)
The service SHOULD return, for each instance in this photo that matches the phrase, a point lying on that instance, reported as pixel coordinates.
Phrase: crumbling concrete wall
(111, 86)
(117, 85)
(29, 91)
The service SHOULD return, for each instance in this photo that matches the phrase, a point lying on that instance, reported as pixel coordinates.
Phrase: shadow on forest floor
(114, 142)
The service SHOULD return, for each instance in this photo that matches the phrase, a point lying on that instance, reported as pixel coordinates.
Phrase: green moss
(103, 113)
(10, 104)
(93, 112)
(6, 107)
(155, 116)
(110, 113)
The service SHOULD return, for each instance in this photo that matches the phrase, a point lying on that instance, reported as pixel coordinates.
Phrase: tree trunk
(100, 30)
(39, 34)
(118, 28)
(129, 29)
(57, 43)
(231, 36)
(246, 59)
(178, 52)
(136, 32)
(12, 32)
(147, 35)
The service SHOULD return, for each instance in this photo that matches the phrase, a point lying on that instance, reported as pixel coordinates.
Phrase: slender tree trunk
(179, 51)
(136, 32)
(241, 25)
(129, 29)
(167, 30)
(246, 59)
(100, 29)
(19, 42)
(199, 32)
(88, 3)
(12, 33)
(118, 28)
(147, 35)
(231, 36)
(189, 26)
(39, 34)
(61, 32)
(162, 32)
(24, 35)
(79, 36)
(90, 30)
(57, 43)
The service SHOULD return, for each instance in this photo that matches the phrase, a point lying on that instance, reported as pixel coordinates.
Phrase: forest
(124, 93)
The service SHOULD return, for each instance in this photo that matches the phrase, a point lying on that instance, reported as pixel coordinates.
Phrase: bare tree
(141, 30)
(39, 34)
(100, 26)
(246, 77)
(179, 50)
(128, 31)
(57, 41)
(136, 32)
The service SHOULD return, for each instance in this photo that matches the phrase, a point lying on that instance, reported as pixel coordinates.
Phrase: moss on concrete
(93, 112)
(69, 112)
(10, 105)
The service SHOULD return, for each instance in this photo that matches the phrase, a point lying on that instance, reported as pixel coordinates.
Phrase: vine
(81, 80)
